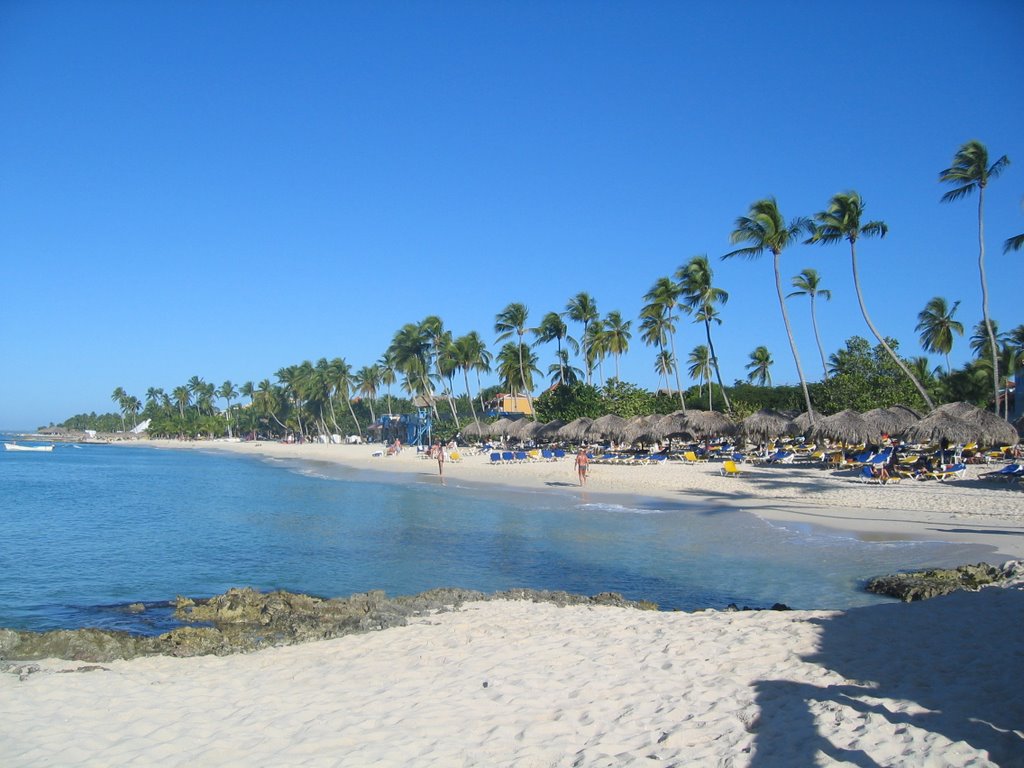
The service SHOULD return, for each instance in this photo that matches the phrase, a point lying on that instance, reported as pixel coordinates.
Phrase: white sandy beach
(532, 684)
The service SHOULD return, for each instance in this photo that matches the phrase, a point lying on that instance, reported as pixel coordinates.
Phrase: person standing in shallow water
(439, 455)
(581, 465)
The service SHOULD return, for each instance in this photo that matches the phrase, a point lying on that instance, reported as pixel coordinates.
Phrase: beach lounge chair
(1009, 472)
(519, 457)
(950, 472)
(559, 453)
(867, 475)
(496, 458)
(547, 455)
(781, 456)
(454, 457)
(729, 469)
(691, 457)
(507, 457)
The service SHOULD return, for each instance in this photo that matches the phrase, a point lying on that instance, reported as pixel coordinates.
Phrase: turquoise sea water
(87, 530)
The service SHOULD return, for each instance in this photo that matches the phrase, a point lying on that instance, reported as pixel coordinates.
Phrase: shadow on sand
(957, 660)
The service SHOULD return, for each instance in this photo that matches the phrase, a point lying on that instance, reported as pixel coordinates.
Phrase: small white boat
(15, 447)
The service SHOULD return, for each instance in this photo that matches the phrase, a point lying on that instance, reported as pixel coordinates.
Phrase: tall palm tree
(367, 381)
(516, 364)
(596, 343)
(937, 326)
(699, 294)
(662, 300)
(553, 328)
(564, 372)
(343, 383)
(808, 283)
(388, 373)
(227, 393)
(411, 349)
(468, 353)
(511, 321)
(182, 398)
(118, 397)
(664, 366)
(433, 328)
(700, 369)
(766, 230)
(760, 366)
(842, 221)
(582, 309)
(971, 170)
(617, 335)
(154, 395)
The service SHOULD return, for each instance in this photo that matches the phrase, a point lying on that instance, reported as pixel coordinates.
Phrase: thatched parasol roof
(882, 420)
(765, 425)
(549, 431)
(674, 425)
(643, 429)
(529, 430)
(938, 425)
(986, 427)
(608, 427)
(800, 424)
(575, 430)
(845, 426)
(473, 430)
(501, 427)
(706, 424)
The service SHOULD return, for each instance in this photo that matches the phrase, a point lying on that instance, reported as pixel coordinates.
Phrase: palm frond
(959, 192)
(1014, 243)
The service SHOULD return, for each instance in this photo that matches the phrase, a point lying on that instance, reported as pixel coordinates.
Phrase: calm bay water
(88, 530)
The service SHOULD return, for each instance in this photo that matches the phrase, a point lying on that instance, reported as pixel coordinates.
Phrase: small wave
(620, 509)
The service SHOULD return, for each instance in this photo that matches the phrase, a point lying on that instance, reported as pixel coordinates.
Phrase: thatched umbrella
(474, 429)
(765, 425)
(529, 430)
(575, 430)
(800, 424)
(549, 431)
(501, 427)
(608, 427)
(706, 424)
(845, 426)
(675, 425)
(937, 426)
(644, 429)
(988, 428)
(883, 421)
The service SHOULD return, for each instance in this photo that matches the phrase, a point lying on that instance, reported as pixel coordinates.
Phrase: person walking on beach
(439, 455)
(581, 465)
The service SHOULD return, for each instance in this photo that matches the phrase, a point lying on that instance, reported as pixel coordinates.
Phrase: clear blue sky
(222, 189)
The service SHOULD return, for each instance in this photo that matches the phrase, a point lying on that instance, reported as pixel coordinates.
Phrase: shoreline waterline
(991, 517)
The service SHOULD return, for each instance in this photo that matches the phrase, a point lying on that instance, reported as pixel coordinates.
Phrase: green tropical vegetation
(558, 364)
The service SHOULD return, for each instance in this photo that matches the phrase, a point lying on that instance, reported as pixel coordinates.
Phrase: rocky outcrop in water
(922, 585)
(244, 620)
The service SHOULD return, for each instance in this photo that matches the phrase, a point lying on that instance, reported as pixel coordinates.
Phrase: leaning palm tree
(766, 230)
(511, 321)
(227, 393)
(700, 369)
(388, 373)
(971, 170)
(937, 326)
(553, 328)
(700, 296)
(842, 221)
(617, 336)
(760, 367)
(664, 366)
(582, 309)
(660, 322)
(516, 365)
(808, 283)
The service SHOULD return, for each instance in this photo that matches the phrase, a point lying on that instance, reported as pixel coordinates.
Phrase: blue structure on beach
(410, 428)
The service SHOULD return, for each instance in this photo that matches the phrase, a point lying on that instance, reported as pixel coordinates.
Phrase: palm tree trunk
(878, 336)
(984, 297)
(714, 362)
(792, 341)
(522, 376)
(469, 396)
(817, 338)
(675, 367)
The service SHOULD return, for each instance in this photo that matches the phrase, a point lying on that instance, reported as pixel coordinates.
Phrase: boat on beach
(12, 446)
